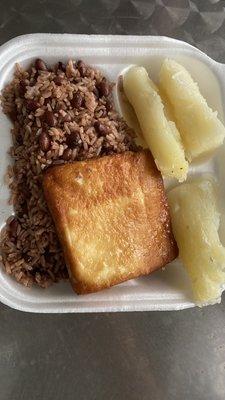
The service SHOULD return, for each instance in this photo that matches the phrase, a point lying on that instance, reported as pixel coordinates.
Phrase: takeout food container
(167, 289)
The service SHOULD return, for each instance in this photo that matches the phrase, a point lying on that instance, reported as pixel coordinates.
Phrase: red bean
(44, 141)
(19, 139)
(73, 140)
(100, 128)
(104, 88)
(67, 154)
(108, 105)
(31, 105)
(80, 63)
(81, 68)
(40, 65)
(77, 100)
(13, 114)
(49, 118)
(61, 66)
(58, 80)
(13, 225)
(22, 88)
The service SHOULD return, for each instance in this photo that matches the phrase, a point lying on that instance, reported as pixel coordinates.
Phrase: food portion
(178, 106)
(200, 129)
(128, 113)
(88, 199)
(59, 115)
(112, 218)
(160, 133)
(195, 222)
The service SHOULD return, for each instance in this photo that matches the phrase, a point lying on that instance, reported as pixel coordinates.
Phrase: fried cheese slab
(112, 219)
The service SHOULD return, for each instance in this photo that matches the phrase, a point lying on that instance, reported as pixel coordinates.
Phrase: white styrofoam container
(163, 290)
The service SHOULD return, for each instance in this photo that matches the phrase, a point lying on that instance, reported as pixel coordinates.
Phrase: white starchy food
(160, 134)
(131, 119)
(201, 130)
(195, 222)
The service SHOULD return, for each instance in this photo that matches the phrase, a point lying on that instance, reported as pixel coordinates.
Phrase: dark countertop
(134, 356)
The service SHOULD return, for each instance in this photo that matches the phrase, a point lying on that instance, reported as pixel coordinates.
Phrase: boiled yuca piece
(201, 130)
(195, 223)
(160, 134)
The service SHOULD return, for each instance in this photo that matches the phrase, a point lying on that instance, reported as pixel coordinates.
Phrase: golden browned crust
(112, 218)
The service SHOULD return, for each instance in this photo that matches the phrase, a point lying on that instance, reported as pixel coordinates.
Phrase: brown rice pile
(59, 115)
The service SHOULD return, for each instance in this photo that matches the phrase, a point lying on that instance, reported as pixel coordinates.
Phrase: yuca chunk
(160, 134)
(112, 218)
(195, 222)
(201, 130)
